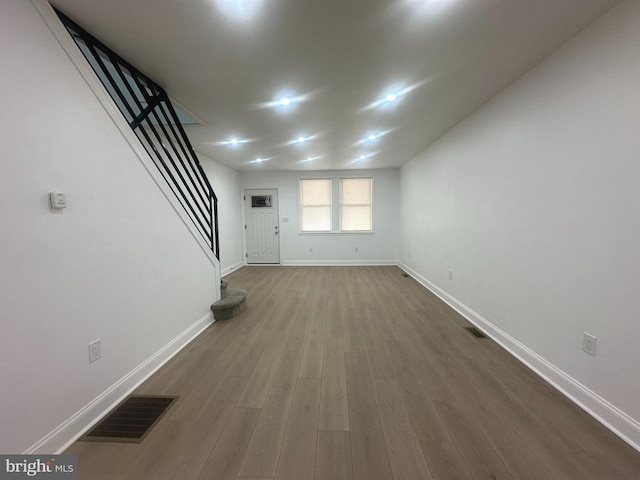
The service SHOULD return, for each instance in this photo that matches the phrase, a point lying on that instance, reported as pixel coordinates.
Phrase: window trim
(370, 204)
(300, 207)
(335, 206)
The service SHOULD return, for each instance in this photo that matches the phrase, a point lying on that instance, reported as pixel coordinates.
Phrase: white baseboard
(232, 268)
(68, 432)
(338, 263)
(623, 425)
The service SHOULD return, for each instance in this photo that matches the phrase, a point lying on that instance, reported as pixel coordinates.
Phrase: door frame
(245, 247)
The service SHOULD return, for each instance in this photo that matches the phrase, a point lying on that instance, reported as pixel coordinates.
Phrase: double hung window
(315, 205)
(336, 205)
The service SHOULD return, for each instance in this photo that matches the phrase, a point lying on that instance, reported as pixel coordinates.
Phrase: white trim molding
(338, 263)
(232, 268)
(624, 426)
(69, 431)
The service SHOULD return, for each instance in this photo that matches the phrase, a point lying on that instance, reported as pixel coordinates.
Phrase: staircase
(231, 303)
(150, 113)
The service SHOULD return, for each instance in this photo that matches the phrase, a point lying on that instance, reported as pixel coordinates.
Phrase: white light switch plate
(589, 343)
(57, 200)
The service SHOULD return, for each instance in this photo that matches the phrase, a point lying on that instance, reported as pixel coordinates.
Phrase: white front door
(261, 213)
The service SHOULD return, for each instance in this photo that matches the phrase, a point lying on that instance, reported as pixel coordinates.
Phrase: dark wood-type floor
(355, 373)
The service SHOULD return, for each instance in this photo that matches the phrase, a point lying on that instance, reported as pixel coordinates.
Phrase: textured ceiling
(229, 61)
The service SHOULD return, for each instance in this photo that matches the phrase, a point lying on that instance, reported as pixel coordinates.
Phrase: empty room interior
(355, 239)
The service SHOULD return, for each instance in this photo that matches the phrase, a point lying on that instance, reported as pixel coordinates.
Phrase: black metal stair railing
(151, 115)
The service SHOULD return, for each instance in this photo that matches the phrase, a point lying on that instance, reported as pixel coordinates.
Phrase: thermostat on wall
(57, 200)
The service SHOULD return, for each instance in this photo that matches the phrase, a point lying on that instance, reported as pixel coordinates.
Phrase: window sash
(356, 204)
(348, 208)
(315, 205)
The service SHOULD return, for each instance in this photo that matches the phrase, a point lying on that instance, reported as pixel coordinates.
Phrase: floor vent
(131, 421)
(475, 332)
(405, 275)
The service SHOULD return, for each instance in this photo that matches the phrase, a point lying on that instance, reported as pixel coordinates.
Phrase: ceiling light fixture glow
(372, 137)
(394, 94)
(234, 141)
(363, 157)
(310, 159)
(389, 98)
(285, 100)
(301, 139)
(240, 11)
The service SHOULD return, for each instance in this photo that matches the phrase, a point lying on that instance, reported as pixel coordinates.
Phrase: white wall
(226, 183)
(379, 247)
(118, 264)
(534, 203)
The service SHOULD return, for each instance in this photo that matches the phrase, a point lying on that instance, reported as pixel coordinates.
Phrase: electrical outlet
(355, 249)
(450, 274)
(310, 249)
(589, 343)
(94, 351)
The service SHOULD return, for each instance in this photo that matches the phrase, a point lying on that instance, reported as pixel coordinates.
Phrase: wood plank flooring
(355, 373)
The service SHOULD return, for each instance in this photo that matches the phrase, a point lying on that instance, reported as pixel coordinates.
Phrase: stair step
(229, 306)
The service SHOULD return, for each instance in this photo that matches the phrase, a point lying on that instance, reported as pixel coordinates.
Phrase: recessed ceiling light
(286, 99)
(299, 140)
(388, 98)
(394, 94)
(259, 160)
(372, 137)
(234, 141)
(240, 11)
(363, 157)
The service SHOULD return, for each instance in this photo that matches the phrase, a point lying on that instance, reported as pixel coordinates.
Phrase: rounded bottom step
(229, 306)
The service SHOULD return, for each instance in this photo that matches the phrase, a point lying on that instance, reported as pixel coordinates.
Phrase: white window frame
(336, 206)
(301, 206)
(370, 204)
